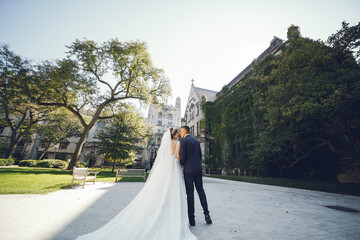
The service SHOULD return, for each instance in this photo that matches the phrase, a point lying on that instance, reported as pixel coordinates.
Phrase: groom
(190, 158)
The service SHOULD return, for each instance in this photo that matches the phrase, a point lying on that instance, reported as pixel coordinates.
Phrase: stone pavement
(239, 211)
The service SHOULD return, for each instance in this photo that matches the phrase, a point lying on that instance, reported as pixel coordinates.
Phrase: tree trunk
(14, 142)
(113, 167)
(81, 142)
(78, 148)
(43, 153)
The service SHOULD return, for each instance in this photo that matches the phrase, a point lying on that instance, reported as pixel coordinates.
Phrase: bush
(81, 164)
(6, 161)
(28, 163)
(51, 163)
(134, 166)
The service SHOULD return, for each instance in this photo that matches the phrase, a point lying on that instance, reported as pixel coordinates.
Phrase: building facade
(34, 147)
(194, 115)
(162, 119)
(193, 112)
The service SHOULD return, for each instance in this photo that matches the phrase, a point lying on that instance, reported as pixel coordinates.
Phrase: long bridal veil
(159, 210)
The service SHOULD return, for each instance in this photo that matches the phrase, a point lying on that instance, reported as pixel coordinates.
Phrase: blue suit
(190, 158)
(190, 154)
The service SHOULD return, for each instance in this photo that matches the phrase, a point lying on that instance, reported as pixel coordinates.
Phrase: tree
(56, 129)
(123, 136)
(347, 40)
(311, 108)
(293, 32)
(73, 83)
(16, 109)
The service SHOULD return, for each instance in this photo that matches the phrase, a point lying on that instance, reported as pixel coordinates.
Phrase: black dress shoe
(208, 219)
(192, 223)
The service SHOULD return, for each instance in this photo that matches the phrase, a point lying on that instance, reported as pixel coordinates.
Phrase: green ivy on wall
(283, 117)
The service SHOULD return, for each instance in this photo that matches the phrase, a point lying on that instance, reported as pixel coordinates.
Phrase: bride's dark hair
(173, 132)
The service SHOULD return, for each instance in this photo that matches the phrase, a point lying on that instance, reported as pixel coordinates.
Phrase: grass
(25, 180)
(332, 187)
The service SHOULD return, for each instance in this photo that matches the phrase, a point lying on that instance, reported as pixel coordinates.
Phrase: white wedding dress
(159, 210)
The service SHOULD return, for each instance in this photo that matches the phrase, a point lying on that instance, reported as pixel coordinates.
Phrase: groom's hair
(186, 128)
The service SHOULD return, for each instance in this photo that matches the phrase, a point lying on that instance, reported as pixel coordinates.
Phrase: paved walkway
(239, 211)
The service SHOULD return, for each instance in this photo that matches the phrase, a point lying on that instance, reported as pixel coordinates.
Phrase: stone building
(34, 147)
(193, 113)
(162, 119)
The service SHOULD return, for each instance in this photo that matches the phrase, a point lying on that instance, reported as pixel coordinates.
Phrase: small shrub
(28, 163)
(51, 163)
(6, 161)
(81, 164)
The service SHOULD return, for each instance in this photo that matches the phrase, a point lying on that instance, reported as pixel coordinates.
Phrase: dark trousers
(190, 180)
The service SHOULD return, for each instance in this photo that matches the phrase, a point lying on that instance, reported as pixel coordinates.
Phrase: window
(158, 130)
(60, 156)
(63, 145)
(92, 150)
(160, 116)
(45, 144)
(170, 124)
(158, 141)
(159, 123)
(197, 110)
(198, 128)
(170, 117)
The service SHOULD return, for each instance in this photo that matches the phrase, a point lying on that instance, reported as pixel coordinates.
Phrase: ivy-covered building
(294, 113)
(201, 128)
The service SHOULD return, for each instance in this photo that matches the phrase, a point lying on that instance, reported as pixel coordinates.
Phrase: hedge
(46, 163)
(28, 163)
(6, 161)
(51, 163)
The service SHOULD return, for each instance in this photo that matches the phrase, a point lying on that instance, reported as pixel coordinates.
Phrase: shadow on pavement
(105, 208)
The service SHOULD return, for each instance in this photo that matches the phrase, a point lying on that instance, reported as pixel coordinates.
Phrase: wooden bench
(130, 173)
(82, 174)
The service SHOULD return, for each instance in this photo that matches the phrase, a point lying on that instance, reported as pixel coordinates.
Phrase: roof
(209, 94)
(275, 42)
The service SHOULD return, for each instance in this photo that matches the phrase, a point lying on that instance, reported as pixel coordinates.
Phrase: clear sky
(210, 41)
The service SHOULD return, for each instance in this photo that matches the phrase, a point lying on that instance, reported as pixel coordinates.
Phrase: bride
(159, 211)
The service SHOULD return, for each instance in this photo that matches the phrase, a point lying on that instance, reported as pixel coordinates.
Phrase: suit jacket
(190, 154)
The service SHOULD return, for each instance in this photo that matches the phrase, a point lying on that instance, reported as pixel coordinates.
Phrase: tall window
(158, 141)
(44, 144)
(198, 128)
(170, 117)
(160, 116)
(63, 145)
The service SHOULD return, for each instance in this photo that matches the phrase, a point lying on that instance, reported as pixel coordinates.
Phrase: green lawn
(25, 180)
(333, 187)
